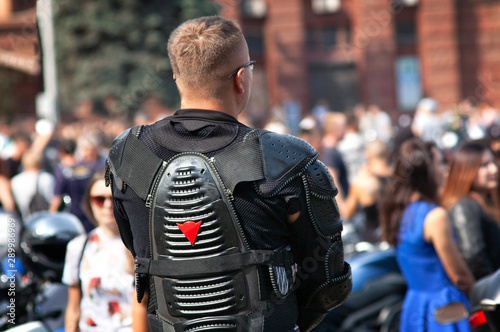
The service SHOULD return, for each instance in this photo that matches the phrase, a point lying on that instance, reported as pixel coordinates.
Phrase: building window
(323, 39)
(325, 6)
(254, 8)
(311, 39)
(406, 33)
(255, 44)
(329, 38)
(20, 5)
(408, 82)
(337, 84)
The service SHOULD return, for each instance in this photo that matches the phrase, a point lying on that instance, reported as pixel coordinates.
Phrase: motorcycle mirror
(488, 305)
(450, 313)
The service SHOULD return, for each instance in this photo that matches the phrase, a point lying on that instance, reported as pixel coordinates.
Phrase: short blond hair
(200, 47)
(376, 150)
(334, 122)
(32, 159)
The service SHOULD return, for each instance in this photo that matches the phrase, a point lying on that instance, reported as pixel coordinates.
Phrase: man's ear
(238, 81)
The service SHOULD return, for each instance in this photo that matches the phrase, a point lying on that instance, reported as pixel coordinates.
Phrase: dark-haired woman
(472, 198)
(428, 257)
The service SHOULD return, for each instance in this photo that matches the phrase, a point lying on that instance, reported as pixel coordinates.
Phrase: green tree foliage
(8, 82)
(118, 48)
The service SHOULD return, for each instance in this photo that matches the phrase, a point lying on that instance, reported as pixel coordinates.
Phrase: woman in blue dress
(427, 254)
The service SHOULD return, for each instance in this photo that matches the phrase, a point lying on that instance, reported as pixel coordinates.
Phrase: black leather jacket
(478, 237)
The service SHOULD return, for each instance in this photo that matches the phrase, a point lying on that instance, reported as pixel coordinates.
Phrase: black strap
(203, 266)
(240, 162)
(139, 166)
(80, 262)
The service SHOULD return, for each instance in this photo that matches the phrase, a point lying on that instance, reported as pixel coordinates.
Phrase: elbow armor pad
(322, 205)
(325, 216)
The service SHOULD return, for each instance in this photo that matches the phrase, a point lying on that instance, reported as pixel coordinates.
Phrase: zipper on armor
(227, 190)
(149, 198)
(230, 196)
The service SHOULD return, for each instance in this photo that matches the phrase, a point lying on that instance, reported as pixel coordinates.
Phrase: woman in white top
(100, 296)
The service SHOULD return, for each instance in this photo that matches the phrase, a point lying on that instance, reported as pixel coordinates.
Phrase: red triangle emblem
(190, 229)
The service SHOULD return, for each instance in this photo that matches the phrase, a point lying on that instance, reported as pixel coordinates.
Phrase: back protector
(202, 275)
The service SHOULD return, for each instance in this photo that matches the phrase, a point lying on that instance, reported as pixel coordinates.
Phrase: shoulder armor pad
(115, 156)
(282, 152)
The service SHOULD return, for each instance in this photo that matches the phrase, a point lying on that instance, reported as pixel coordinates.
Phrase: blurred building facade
(385, 52)
(19, 54)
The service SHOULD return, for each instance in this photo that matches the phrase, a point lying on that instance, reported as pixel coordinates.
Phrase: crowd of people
(360, 147)
(55, 169)
(59, 159)
(372, 162)
(428, 185)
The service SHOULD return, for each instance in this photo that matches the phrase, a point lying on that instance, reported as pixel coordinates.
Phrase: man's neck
(219, 106)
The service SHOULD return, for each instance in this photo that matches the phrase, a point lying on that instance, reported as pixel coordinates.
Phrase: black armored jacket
(232, 228)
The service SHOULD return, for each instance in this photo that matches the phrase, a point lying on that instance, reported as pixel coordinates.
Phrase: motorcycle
(32, 297)
(38, 306)
(484, 314)
(378, 289)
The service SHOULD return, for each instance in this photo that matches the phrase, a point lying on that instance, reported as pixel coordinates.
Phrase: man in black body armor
(232, 228)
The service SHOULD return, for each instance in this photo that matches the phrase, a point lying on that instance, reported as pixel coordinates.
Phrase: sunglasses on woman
(99, 200)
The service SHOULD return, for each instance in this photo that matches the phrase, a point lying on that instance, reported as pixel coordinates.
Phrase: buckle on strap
(141, 269)
(142, 265)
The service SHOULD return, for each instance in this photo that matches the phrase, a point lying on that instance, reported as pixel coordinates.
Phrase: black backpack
(38, 202)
